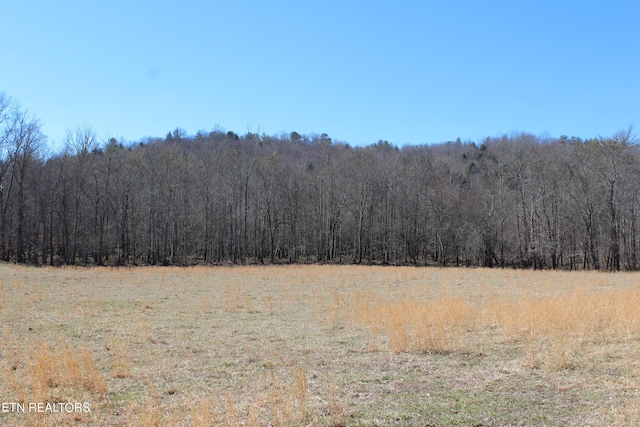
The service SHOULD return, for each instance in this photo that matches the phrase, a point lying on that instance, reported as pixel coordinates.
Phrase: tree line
(218, 197)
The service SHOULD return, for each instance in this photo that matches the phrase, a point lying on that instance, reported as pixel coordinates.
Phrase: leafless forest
(219, 197)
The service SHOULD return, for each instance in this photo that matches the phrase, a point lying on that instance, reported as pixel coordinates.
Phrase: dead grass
(42, 373)
(554, 327)
(320, 346)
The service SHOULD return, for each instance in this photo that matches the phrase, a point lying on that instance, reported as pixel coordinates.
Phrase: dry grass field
(318, 346)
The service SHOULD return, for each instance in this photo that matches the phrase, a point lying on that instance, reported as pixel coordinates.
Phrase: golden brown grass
(281, 397)
(40, 372)
(554, 326)
(320, 346)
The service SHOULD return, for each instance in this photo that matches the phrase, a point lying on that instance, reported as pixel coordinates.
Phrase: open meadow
(318, 346)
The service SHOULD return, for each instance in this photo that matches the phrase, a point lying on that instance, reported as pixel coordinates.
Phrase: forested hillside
(517, 200)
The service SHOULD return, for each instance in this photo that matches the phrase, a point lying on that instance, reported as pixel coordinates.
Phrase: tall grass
(416, 326)
(283, 399)
(62, 369)
(213, 346)
(555, 328)
(42, 372)
(553, 325)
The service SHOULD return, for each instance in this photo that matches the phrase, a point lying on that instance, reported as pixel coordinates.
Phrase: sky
(409, 72)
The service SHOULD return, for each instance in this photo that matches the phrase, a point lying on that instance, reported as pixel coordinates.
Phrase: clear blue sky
(410, 72)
